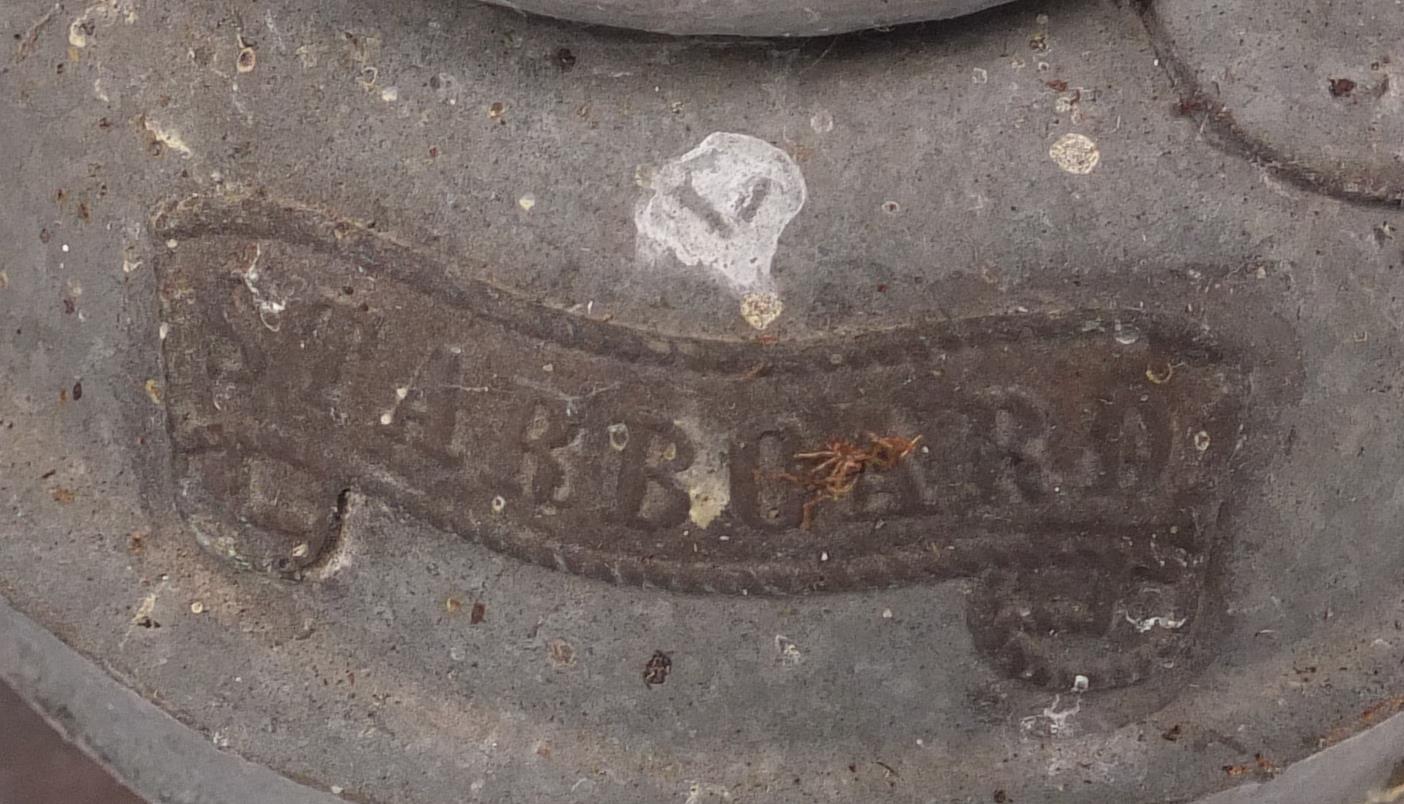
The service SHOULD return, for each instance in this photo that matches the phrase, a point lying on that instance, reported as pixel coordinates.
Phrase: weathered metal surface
(1074, 461)
(1330, 120)
(488, 342)
(750, 17)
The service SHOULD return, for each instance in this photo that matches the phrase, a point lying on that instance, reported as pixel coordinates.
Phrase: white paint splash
(722, 205)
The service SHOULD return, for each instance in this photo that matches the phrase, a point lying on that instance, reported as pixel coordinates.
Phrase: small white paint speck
(390, 94)
(1056, 720)
(824, 556)
(104, 12)
(527, 202)
(618, 436)
(172, 243)
(1126, 334)
(1144, 625)
(168, 137)
(197, 607)
(144, 610)
(789, 652)
(387, 418)
(887, 614)
(1080, 683)
(761, 309)
(980, 75)
(163, 330)
(64, 247)
(708, 497)
(498, 505)
(401, 392)
(1075, 153)
(76, 37)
